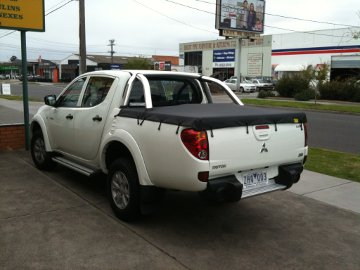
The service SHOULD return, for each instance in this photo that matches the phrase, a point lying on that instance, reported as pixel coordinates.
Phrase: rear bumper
(230, 189)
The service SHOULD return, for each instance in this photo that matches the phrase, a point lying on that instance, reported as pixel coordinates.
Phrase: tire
(41, 158)
(242, 89)
(123, 189)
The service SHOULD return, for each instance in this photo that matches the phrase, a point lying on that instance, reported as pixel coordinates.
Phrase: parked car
(245, 86)
(149, 131)
(262, 85)
(2, 77)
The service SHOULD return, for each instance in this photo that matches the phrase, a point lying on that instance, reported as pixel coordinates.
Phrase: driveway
(61, 220)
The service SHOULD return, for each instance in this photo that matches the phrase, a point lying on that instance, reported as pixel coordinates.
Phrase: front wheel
(242, 89)
(41, 158)
(123, 189)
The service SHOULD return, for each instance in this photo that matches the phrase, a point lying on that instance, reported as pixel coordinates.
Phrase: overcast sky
(142, 27)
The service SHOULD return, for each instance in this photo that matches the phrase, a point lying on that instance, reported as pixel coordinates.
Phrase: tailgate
(255, 151)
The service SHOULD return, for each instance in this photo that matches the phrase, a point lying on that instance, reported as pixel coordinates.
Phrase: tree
(13, 58)
(356, 34)
(138, 63)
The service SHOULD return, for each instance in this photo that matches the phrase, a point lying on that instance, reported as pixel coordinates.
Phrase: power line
(57, 4)
(286, 17)
(176, 20)
(59, 7)
(275, 27)
(13, 31)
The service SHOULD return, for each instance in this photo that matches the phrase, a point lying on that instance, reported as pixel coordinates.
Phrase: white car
(149, 131)
(245, 86)
(261, 85)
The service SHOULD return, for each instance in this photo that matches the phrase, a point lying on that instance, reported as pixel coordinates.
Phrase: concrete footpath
(335, 191)
(62, 220)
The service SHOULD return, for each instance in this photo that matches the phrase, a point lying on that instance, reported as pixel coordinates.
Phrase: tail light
(196, 142)
(306, 133)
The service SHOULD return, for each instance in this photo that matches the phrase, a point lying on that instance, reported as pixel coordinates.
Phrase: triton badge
(264, 149)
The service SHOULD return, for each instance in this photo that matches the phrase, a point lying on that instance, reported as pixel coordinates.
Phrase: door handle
(97, 118)
(69, 116)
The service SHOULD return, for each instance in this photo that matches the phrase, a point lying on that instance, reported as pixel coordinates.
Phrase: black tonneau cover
(211, 116)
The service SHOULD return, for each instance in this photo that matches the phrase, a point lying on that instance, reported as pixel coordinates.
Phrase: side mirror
(50, 100)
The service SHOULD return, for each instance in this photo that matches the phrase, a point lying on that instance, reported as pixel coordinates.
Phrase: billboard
(22, 15)
(244, 16)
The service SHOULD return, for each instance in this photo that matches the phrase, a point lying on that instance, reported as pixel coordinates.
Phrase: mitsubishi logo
(264, 149)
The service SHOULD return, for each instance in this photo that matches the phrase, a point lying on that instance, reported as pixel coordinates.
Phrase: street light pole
(82, 62)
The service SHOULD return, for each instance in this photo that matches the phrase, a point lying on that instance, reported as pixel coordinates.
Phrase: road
(326, 130)
(37, 90)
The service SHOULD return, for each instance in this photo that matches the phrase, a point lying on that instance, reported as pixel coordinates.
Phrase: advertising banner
(245, 16)
(254, 64)
(224, 58)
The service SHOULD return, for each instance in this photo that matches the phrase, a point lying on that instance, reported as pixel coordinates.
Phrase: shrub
(265, 94)
(305, 95)
(336, 90)
(290, 86)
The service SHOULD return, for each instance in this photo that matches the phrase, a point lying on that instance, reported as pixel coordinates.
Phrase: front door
(61, 118)
(91, 117)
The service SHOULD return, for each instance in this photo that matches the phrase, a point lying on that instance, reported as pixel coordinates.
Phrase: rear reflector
(203, 176)
(262, 127)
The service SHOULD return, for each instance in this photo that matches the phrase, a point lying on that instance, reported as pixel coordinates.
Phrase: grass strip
(338, 164)
(303, 105)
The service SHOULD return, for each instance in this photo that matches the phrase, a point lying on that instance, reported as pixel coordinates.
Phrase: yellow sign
(25, 15)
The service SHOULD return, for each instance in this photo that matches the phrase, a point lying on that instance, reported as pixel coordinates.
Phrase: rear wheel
(123, 189)
(41, 158)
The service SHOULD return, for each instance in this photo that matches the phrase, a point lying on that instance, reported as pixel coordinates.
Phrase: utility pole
(82, 62)
(112, 44)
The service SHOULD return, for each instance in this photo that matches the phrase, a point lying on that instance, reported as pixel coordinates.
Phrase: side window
(165, 92)
(219, 95)
(96, 91)
(71, 96)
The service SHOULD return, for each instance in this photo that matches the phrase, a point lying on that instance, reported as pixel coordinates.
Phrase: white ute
(150, 131)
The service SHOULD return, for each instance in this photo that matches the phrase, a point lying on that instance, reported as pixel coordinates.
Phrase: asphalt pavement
(62, 220)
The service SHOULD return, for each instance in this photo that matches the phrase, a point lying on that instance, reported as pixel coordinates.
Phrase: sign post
(238, 70)
(25, 89)
(23, 15)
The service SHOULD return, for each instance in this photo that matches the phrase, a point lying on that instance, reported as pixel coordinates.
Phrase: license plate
(254, 178)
